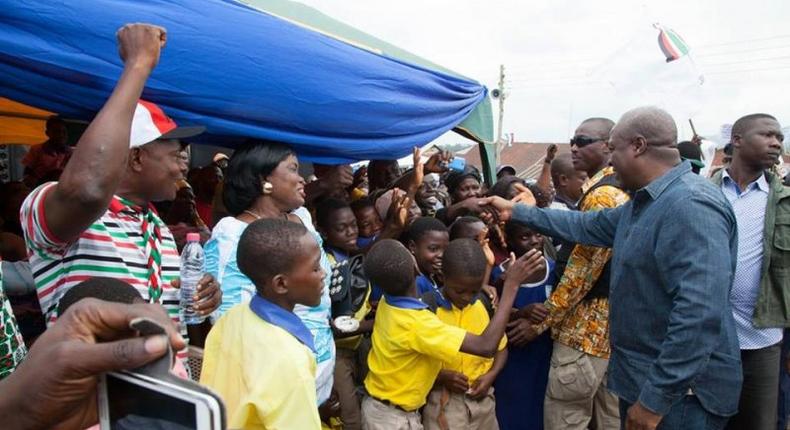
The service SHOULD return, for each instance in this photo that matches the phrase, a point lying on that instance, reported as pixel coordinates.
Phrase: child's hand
(398, 213)
(454, 381)
(524, 195)
(482, 238)
(480, 388)
(330, 408)
(419, 170)
(535, 313)
(491, 219)
(522, 268)
(490, 291)
(520, 332)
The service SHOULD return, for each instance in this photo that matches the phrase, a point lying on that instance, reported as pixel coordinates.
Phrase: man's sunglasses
(582, 141)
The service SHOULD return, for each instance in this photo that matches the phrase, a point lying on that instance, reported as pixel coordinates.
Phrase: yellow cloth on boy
(473, 319)
(409, 345)
(265, 375)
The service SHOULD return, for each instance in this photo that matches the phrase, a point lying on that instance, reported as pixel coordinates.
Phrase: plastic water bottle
(192, 267)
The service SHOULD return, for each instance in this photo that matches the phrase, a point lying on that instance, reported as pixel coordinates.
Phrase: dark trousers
(784, 385)
(760, 393)
(687, 414)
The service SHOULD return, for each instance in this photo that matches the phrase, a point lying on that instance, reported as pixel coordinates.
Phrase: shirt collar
(280, 317)
(444, 302)
(441, 300)
(564, 200)
(761, 182)
(655, 188)
(120, 204)
(340, 256)
(608, 170)
(405, 302)
(426, 279)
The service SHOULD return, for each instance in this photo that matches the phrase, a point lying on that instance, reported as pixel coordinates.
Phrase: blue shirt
(749, 206)
(671, 325)
(221, 264)
(425, 285)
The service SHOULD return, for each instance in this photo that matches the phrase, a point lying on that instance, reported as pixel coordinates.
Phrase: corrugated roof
(525, 157)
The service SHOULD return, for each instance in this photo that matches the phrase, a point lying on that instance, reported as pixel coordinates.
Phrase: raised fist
(140, 44)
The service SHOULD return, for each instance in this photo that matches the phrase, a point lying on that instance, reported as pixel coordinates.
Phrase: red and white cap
(150, 123)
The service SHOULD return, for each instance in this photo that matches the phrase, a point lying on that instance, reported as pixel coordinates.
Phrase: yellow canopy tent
(21, 124)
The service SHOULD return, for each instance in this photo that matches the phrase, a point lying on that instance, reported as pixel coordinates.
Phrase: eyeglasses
(582, 141)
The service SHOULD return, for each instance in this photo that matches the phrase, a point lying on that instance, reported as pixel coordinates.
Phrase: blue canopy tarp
(236, 70)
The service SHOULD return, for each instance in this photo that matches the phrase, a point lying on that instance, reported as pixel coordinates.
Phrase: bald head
(644, 146)
(653, 124)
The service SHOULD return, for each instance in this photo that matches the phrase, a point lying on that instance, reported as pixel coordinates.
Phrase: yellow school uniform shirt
(473, 319)
(409, 345)
(258, 358)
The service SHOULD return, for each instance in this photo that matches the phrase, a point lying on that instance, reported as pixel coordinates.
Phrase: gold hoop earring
(267, 187)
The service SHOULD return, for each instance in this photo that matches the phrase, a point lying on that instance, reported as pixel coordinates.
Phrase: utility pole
(501, 97)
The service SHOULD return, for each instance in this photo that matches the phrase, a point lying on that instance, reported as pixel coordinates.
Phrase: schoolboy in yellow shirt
(462, 397)
(410, 342)
(259, 356)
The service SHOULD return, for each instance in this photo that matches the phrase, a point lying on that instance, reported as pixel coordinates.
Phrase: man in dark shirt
(675, 354)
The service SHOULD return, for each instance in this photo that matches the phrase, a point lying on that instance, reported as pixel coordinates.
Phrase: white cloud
(549, 46)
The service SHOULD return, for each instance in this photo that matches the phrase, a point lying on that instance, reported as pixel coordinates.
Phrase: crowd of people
(618, 290)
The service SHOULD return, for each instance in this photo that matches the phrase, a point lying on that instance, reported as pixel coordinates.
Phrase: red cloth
(205, 211)
(500, 254)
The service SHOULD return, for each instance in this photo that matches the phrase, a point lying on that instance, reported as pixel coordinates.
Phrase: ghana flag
(671, 44)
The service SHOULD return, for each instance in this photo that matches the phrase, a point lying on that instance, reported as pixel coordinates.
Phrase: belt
(388, 403)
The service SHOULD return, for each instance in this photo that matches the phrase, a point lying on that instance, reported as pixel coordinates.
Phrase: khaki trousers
(453, 411)
(576, 395)
(379, 416)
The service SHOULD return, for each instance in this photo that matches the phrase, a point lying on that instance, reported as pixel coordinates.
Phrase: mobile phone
(457, 165)
(129, 400)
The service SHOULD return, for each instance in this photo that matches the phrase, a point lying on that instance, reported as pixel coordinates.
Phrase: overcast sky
(552, 51)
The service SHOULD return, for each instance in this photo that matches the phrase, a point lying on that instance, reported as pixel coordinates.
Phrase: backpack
(348, 286)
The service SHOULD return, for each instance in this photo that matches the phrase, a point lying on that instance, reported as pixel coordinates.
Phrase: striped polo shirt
(111, 247)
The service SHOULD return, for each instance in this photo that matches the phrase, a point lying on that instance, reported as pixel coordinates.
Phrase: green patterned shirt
(12, 348)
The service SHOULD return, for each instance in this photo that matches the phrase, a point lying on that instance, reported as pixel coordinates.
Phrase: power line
(559, 85)
(540, 68)
(784, 57)
(542, 79)
(740, 42)
(742, 51)
(550, 63)
(764, 69)
(573, 63)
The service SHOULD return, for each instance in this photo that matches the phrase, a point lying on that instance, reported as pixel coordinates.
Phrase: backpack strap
(608, 180)
(430, 300)
(486, 301)
(567, 247)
